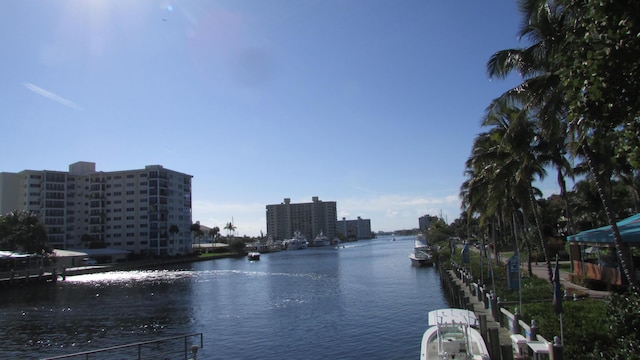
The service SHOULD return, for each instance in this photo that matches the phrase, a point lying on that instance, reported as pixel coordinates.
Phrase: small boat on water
(422, 254)
(253, 256)
(452, 335)
(321, 240)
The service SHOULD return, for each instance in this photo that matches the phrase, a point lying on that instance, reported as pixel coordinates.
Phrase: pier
(27, 277)
(506, 336)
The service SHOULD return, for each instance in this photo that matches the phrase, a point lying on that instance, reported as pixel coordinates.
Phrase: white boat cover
(451, 315)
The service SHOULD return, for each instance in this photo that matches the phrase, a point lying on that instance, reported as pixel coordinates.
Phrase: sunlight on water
(119, 277)
(368, 293)
(125, 277)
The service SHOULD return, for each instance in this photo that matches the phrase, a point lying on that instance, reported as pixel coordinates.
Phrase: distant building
(424, 222)
(309, 218)
(131, 209)
(354, 229)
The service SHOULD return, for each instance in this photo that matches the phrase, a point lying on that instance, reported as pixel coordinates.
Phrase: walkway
(540, 270)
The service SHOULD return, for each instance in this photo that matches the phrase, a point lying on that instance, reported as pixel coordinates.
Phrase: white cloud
(49, 95)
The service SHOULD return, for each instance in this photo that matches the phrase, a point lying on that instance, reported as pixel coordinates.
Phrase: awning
(629, 229)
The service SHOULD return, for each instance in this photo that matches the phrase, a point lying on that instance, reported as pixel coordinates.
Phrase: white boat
(336, 243)
(452, 335)
(297, 242)
(321, 240)
(422, 254)
(253, 256)
(421, 258)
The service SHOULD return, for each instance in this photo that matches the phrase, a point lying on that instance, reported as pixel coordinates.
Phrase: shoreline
(36, 276)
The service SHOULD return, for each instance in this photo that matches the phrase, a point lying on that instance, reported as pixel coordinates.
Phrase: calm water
(364, 301)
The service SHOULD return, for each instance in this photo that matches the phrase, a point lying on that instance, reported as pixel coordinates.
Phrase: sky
(373, 104)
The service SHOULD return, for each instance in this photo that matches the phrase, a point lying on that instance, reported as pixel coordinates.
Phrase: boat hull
(420, 261)
(453, 337)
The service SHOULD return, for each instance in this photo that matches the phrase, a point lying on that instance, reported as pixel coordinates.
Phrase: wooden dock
(497, 338)
(28, 277)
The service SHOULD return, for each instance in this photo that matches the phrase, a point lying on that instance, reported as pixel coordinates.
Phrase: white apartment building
(131, 210)
(354, 229)
(309, 218)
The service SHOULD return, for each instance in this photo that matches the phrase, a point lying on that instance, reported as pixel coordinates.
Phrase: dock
(497, 338)
(27, 276)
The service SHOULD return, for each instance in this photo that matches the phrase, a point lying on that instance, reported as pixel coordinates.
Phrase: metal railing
(143, 350)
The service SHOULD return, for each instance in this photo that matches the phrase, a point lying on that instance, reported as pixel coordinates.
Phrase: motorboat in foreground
(452, 335)
(253, 256)
(422, 255)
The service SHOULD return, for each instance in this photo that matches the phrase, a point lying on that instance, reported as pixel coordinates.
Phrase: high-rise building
(354, 229)
(424, 222)
(308, 218)
(133, 210)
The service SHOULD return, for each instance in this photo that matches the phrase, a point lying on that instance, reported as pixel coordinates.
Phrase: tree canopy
(578, 102)
(21, 231)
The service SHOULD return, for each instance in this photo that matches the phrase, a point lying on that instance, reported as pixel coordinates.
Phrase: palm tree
(567, 80)
(600, 52)
(230, 229)
(213, 232)
(196, 232)
(519, 162)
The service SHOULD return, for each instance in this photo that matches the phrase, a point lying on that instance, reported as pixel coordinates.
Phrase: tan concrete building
(309, 218)
(131, 210)
(354, 229)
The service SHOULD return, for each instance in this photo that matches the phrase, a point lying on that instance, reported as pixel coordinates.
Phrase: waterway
(363, 301)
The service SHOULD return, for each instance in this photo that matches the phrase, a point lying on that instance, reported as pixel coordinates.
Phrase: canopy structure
(592, 256)
(629, 229)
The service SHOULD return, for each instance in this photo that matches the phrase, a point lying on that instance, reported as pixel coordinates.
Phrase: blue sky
(373, 104)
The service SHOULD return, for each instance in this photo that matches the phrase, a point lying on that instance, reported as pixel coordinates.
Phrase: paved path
(540, 270)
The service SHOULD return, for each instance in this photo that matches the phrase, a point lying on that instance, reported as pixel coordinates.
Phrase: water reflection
(283, 305)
